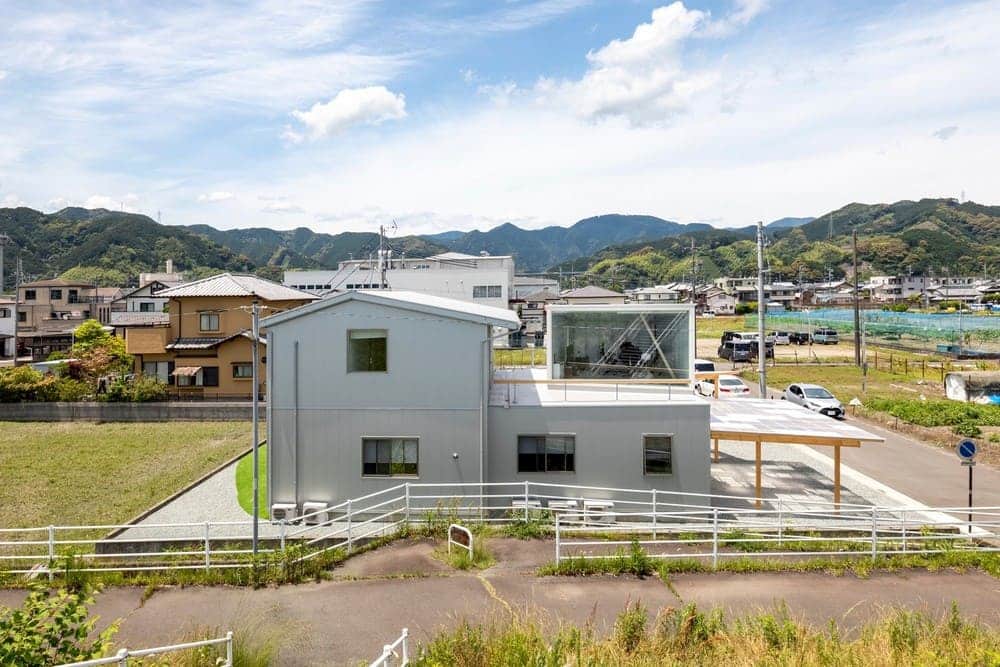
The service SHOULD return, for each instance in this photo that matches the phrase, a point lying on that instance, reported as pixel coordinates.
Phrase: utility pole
(761, 309)
(857, 301)
(255, 310)
(381, 255)
(694, 273)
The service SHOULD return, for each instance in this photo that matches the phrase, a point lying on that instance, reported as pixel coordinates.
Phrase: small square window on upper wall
(209, 321)
(367, 350)
(29, 295)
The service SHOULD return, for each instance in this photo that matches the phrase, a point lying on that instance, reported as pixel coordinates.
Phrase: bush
(51, 629)
(70, 390)
(145, 389)
(26, 384)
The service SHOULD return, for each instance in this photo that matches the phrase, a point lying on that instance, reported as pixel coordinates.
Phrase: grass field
(82, 473)
(244, 483)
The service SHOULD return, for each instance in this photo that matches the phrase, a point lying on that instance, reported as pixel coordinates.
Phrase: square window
(389, 457)
(147, 307)
(209, 321)
(29, 295)
(657, 453)
(367, 350)
(210, 376)
(546, 453)
(243, 370)
(55, 295)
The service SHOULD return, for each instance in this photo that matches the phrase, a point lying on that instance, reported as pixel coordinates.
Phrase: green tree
(99, 351)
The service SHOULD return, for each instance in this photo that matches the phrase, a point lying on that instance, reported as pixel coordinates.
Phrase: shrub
(146, 389)
(70, 390)
(51, 629)
(26, 384)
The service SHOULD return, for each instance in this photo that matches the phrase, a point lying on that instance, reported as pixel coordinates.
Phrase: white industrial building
(371, 388)
(482, 279)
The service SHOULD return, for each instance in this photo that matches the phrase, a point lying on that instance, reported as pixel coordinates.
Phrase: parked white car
(815, 398)
(729, 386)
(779, 338)
(704, 366)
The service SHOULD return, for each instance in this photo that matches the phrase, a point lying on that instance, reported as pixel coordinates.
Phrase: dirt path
(347, 620)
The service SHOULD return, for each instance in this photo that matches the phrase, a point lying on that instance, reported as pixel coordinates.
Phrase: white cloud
(123, 203)
(946, 133)
(3, 75)
(280, 205)
(643, 78)
(217, 196)
(352, 106)
(11, 200)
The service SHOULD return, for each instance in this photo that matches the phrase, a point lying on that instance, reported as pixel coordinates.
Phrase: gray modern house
(371, 388)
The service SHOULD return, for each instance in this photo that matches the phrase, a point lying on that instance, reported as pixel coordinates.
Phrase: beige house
(592, 294)
(205, 350)
(49, 310)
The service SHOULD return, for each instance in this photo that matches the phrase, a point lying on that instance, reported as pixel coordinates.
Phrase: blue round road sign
(966, 449)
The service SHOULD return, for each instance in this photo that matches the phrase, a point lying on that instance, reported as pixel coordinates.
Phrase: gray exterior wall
(609, 449)
(433, 390)
(128, 412)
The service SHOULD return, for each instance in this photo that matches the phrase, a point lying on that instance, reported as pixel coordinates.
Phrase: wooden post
(759, 491)
(836, 476)
(715, 442)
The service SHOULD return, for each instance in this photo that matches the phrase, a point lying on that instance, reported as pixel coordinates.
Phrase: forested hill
(930, 235)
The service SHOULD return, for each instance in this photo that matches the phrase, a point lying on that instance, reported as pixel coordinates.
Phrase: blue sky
(341, 114)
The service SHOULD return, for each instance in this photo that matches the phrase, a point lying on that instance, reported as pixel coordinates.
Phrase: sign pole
(967, 451)
(971, 466)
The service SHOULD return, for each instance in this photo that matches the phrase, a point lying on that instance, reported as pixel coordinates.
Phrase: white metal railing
(719, 533)
(122, 657)
(705, 519)
(389, 651)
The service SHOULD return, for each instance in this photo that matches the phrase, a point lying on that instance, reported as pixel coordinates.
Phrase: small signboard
(460, 536)
(966, 451)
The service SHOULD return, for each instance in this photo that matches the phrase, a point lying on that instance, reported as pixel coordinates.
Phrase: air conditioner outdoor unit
(318, 511)
(283, 512)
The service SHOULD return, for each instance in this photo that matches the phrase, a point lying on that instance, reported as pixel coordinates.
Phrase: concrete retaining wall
(127, 412)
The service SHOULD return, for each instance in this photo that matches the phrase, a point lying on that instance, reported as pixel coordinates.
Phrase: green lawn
(244, 483)
(525, 356)
(712, 327)
(82, 473)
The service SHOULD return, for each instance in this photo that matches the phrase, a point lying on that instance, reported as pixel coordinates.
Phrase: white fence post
(902, 519)
(406, 511)
(406, 648)
(654, 514)
(208, 549)
(229, 649)
(52, 549)
(350, 541)
(386, 654)
(715, 537)
(526, 519)
(557, 539)
(281, 533)
(874, 532)
(122, 657)
(780, 522)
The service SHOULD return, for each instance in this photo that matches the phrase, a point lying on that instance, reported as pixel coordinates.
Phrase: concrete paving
(375, 595)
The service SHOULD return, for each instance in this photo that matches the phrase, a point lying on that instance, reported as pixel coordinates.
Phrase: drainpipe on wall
(484, 388)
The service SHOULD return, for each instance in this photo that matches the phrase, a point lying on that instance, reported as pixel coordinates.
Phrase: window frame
(544, 454)
(348, 365)
(55, 294)
(242, 364)
(670, 459)
(30, 295)
(147, 307)
(391, 439)
(209, 313)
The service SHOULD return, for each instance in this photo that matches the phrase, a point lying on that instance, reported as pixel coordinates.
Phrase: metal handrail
(121, 658)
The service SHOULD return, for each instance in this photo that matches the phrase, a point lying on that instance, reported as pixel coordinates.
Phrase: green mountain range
(112, 248)
(935, 236)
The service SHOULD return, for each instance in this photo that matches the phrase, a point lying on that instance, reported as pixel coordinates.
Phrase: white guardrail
(690, 518)
(396, 654)
(122, 657)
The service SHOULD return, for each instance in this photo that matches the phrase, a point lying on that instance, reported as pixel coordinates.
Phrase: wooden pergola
(779, 422)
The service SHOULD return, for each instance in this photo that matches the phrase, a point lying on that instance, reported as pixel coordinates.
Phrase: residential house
(49, 310)
(657, 294)
(531, 310)
(483, 279)
(719, 302)
(592, 294)
(169, 276)
(525, 285)
(205, 347)
(7, 327)
(367, 389)
(961, 293)
(142, 306)
(745, 290)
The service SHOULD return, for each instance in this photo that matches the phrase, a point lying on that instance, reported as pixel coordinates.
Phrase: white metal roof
(228, 284)
(781, 421)
(426, 303)
(461, 255)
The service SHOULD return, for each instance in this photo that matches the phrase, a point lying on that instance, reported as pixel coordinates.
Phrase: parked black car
(799, 337)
